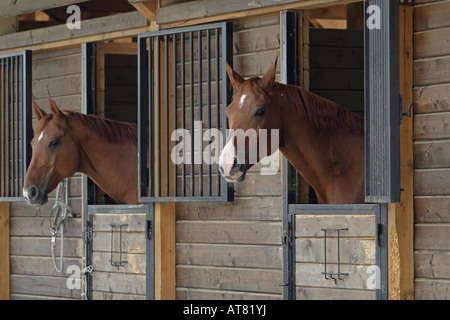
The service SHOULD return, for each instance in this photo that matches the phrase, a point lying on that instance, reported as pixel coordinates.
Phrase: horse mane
(111, 130)
(321, 112)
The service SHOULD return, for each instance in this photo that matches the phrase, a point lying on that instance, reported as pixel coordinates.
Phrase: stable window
(183, 94)
(15, 123)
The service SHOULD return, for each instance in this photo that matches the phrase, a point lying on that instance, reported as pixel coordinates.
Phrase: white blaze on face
(41, 136)
(227, 157)
(241, 102)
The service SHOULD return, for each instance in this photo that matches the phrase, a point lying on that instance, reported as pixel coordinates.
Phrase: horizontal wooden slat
(231, 232)
(311, 225)
(43, 286)
(425, 289)
(431, 16)
(135, 262)
(310, 275)
(432, 265)
(431, 237)
(431, 71)
(135, 222)
(132, 242)
(122, 283)
(432, 43)
(319, 37)
(41, 266)
(432, 126)
(432, 182)
(32, 246)
(336, 79)
(432, 209)
(354, 251)
(56, 87)
(268, 208)
(206, 294)
(245, 256)
(236, 279)
(432, 155)
(15, 8)
(311, 293)
(432, 99)
(40, 227)
(336, 58)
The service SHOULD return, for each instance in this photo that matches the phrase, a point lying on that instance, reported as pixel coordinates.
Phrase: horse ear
(269, 77)
(55, 110)
(38, 112)
(235, 77)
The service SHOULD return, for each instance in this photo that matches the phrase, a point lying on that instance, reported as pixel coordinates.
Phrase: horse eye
(53, 143)
(260, 112)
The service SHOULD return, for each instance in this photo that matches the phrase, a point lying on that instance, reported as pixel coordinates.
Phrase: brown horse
(322, 140)
(69, 142)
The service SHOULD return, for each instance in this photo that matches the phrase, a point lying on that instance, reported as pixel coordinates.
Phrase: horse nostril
(32, 192)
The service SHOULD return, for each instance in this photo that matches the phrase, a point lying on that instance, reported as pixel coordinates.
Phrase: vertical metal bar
(227, 92)
(183, 115)
(208, 102)
(2, 128)
(158, 112)
(151, 116)
(142, 115)
(166, 111)
(17, 121)
(7, 120)
(218, 102)
(325, 252)
(191, 100)
(174, 63)
(27, 132)
(200, 112)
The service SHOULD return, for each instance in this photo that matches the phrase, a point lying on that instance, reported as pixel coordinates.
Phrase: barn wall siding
(431, 149)
(56, 75)
(233, 250)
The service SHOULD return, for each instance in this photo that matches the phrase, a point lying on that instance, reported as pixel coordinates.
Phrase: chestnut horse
(69, 142)
(322, 140)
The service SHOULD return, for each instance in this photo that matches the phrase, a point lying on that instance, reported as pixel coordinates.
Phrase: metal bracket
(407, 114)
(117, 263)
(339, 274)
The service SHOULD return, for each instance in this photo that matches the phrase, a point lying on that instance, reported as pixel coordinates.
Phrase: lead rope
(60, 211)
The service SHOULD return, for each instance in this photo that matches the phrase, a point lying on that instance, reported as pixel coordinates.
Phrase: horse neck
(318, 154)
(111, 165)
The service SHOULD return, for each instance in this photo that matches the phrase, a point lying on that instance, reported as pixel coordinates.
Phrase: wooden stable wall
(233, 250)
(432, 149)
(56, 74)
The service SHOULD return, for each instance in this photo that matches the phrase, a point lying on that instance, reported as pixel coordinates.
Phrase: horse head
(56, 154)
(252, 115)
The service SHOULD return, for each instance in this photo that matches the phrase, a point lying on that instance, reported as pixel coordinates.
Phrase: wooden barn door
(338, 251)
(118, 240)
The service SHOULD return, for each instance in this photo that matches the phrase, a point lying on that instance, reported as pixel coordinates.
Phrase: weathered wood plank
(228, 232)
(336, 38)
(431, 237)
(310, 275)
(358, 225)
(56, 67)
(431, 43)
(4, 251)
(40, 227)
(431, 71)
(136, 262)
(206, 294)
(432, 289)
(43, 286)
(268, 209)
(15, 8)
(122, 283)
(242, 256)
(54, 87)
(432, 16)
(236, 279)
(432, 182)
(135, 222)
(432, 209)
(311, 293)
(432, 126)
(41, 266)
(432, 99)
(430, 155)
(31, 246)
(336, 79)
(352, 251)
(132, 242)
(432, 265)
(336, 58)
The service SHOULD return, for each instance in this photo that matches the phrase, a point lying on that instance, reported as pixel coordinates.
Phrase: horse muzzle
(35, 196)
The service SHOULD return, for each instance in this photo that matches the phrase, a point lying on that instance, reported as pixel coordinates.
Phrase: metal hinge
(286, 237)
(148, 230)
(380, 237)
(87, 233)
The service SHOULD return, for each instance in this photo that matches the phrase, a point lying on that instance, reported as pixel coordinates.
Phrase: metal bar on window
(166, 112)
(183, 115)
(200, 113)
(218, 98)
(174, 63)
(191, 100)
(208, 102)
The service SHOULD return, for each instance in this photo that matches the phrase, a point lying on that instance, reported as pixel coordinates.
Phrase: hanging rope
(60, 211)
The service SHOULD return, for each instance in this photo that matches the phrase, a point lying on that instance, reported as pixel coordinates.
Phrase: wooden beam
(116, 26)
(204, 11)
(147, 9)
(4, 251)
(14, 8)
(401, 215)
